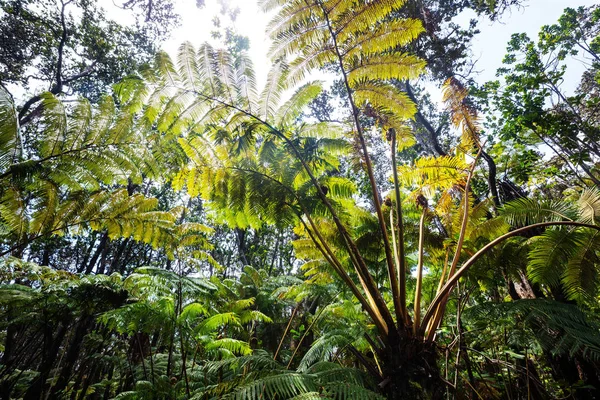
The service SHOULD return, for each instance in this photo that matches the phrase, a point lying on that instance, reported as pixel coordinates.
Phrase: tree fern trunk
(50, 352)
(73, 353)
(410, 371)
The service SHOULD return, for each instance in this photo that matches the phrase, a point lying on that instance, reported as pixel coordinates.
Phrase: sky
(488, 47)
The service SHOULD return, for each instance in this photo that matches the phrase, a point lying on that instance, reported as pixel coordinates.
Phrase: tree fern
(10, 146)
(560, 328)
(522, 212)
(589, 205)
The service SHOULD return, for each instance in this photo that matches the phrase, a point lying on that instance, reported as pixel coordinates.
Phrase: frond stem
(418, 289)
(358, 262)
(461, 239)
(401, 280)
(447, 288)
(368, 166)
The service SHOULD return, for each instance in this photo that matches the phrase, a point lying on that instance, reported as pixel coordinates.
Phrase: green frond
(560, 328)
(214, 322)
(285, 385)
(489, 229)
(580, 278)
(430, 174)
(550, 253)
(132, 93)
(290, 38)
(10, 147)
(271, 94)
(386, 36)
(386, 67)
(522, 212)
(188, 66)
(79, 122)
(293, 13)
(292, 109)
(193, 311)
(313, 57)
(310, 396)
(589, 205)
(254, 315)
(324, 130)
(246, 83)
(384, 96)
(167, 69)
(232, 345)
(54, 118)
(340, 187)
(227, 75)
(256, 276)
(331, 373)
(351, 17)
(256, 361)
(14, 294)
(349, 391)
(207, 70)
(324, 347)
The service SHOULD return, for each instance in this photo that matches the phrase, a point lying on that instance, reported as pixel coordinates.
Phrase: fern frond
(286, 385)
(232, 345)
(523, 212)
(464, 116)
(10, 146)
(384, 96)
(560, 328)
(292, 109)
(589, 205)
(188, 67)
(386, 67)
(384, 37)
(430, 174)
(580, 278)
(324, 347)
(549, 253)
(349, 391)
(269, 99)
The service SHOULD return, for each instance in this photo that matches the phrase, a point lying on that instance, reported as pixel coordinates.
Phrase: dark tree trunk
(574, 370)
(84, 263)
(410, 371)
(72, 354)
(492, 178)
(50, 353)
(99, 250)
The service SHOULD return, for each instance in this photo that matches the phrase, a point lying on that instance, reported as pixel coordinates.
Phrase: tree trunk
(51, 349)
(410, 371)
(73, 353)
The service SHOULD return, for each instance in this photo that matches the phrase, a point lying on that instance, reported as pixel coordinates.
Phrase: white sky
(489, 46)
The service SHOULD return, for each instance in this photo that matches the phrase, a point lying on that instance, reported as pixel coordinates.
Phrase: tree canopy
(171, 230)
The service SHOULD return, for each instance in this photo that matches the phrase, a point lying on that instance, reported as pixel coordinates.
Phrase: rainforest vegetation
(171, 230)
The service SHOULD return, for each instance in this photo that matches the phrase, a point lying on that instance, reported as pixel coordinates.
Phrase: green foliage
(559, 328)
(195, 162)
(562, 258)
(76, 44)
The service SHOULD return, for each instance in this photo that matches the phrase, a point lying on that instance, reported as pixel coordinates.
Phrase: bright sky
(489, 46)
(196, 27)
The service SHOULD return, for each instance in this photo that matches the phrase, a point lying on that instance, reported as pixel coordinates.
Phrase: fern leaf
(523, 212)
(10, 147)
(271, 94)
(386, 67)
(233, 345)
(589, 205)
